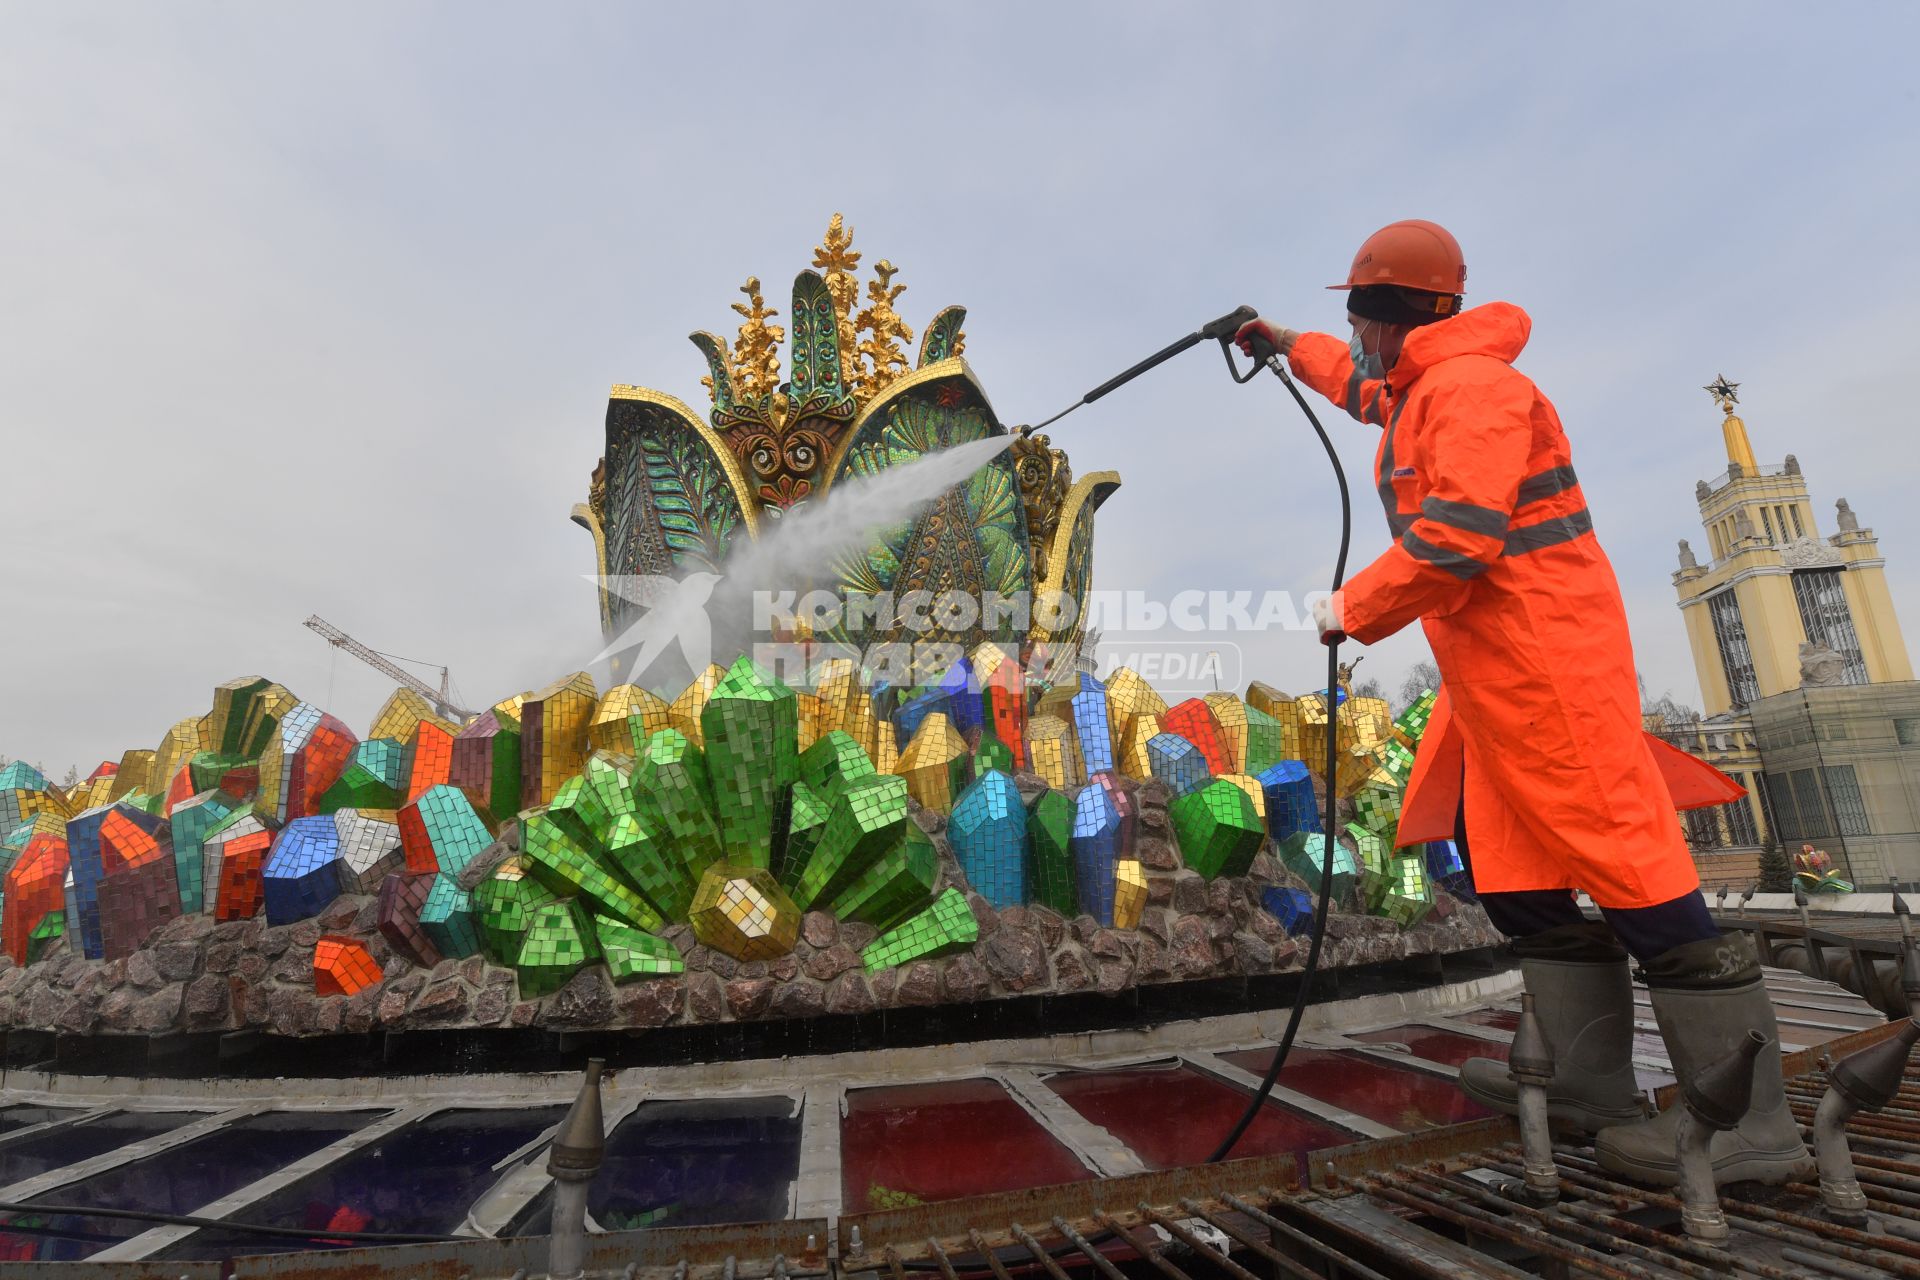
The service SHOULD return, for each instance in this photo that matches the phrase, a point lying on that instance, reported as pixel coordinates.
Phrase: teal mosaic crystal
(447, 918)
(751, 731)
(1218, 829)
(192, 820)
(375, 778)
(1305, 854)
(988, 832)
(943, 928)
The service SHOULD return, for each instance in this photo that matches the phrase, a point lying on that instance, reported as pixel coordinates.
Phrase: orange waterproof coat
(1494, 552)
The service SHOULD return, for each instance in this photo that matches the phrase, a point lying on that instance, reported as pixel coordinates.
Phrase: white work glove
(1328, 616)
(1282, 339)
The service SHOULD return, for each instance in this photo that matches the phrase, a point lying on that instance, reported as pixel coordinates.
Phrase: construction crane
(441, 698)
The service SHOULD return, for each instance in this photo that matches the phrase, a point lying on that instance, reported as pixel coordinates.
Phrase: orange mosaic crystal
(343, 967)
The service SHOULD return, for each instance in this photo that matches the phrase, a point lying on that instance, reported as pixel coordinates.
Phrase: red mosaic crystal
(34, 887)
(343, 966)
(1194, 720)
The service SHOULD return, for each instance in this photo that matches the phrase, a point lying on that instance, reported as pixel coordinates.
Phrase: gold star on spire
(1724, 393)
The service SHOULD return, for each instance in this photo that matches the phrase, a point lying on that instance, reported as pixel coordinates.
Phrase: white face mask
(1366, 364)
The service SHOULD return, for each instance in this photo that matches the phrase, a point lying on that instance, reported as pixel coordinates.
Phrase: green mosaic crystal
(945, 927)
(52, 927)
(646, 865)
(751, 731)
(632, 954)
(1395, 759)
(1305, 854)
(1370, 855)
(504, 904)
(375, 778)
(834, 762)
(207, 768)
(1408, 896)
(611, 778)
(1049, 828)
(578, 807)
(1376, 805)
(1218, 829)
(568, 867)
(898, 884)
(447, 918)
(670, 790)
(1265, 742)
(992, 754)
(560, 940)
(806, 818)
(1412, 723)
(865, 822)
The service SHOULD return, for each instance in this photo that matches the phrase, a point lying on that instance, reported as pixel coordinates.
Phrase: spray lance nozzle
(1222, 330)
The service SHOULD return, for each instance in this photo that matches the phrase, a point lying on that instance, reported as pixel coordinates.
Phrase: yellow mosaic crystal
(1313, 730)
(684, 714)
(882, 745)
(184, 741)
(625, 719)
(837, 685)
(1251, 785)
(1285, 710)
(935, 763)
(269, 707)
(1231, 714)
(807, 706)
(1133, 751)
(985, 660)
(1129, 697)
(1054, 752)
(1365, 723)
(507, 710)
(136, 774)
(744, 912)
(400, 716)
(1129, 893)
(564, 710)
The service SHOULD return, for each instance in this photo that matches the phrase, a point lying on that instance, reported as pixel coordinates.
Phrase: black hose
(1328, 805)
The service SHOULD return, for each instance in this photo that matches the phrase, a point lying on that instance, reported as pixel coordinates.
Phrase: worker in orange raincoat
(1494, 552)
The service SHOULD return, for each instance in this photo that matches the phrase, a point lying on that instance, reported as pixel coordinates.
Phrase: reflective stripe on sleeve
(1548, 533)
(1488, 522)
(1545, 485)
(1452, 561)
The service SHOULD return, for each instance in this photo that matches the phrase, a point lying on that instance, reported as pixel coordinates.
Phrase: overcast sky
(313, 309)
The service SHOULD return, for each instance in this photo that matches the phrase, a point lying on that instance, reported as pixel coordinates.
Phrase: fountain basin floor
(744, 1141)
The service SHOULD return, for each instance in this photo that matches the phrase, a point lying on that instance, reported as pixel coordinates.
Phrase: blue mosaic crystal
(87, 866)
(964, 705)
(303, 873)
(1293, 908)
(1290, 803)
(1446, 868)
(1178, 763)
(447, 919)
(988, 832)
(1092, 725)
(914, 711)
(1102, 832)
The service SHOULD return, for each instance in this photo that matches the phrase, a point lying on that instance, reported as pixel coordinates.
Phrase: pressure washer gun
(1222, 330)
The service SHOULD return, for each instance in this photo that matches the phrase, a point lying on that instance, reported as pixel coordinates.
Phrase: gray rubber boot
(1586, 1010)
(1701, 1024)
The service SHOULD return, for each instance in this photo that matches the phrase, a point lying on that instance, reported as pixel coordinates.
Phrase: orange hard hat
(1413, 254)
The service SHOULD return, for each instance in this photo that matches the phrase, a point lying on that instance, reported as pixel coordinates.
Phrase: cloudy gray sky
(313, 309)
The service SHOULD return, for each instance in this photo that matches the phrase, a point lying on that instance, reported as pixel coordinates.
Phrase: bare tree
(72, 779)
(1421, 676)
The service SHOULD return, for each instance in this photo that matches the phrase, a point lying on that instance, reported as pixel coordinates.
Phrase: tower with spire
(1802, 667)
